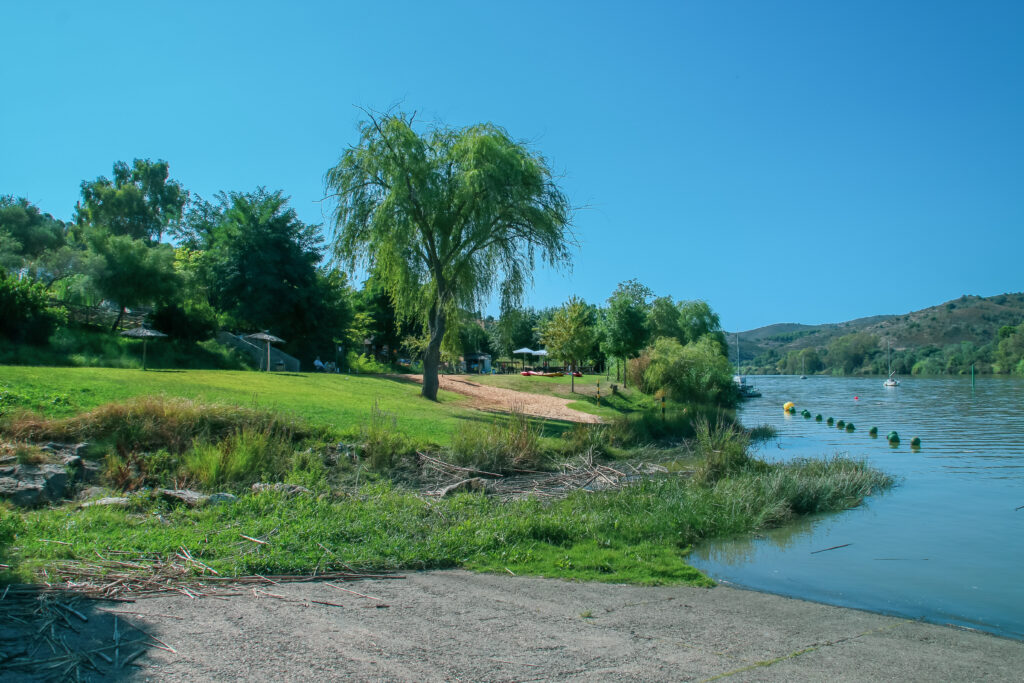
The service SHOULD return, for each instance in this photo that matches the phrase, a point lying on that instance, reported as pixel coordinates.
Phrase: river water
(945, 545)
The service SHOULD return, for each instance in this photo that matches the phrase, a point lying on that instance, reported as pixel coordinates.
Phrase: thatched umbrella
(145, 334)
(269, 339)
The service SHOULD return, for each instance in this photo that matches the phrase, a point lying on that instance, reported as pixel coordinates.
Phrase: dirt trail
(497, 399)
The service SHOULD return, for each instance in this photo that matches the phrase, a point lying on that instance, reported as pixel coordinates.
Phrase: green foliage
(361, 364)
(516, 329)
(25, 232)
(625, 321)
(260, 270)
(695, 373)
(443, 218)
(25, 312)
(569, 335)
(141, 203)
(191, 321)
(132, 271)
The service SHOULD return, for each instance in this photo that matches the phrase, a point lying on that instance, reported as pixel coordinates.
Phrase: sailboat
(746, 390)
(802, 374)
(891, 382)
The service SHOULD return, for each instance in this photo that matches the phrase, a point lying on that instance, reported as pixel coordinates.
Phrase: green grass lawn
(342, 402)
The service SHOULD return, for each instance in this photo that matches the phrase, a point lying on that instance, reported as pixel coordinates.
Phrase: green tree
(141, 201)
(698, 320)
(260, 270)
(444, 218)
(663, 320)
(517, 328)
(28, 232)
(130, 271)
(569, 335)
(625, 320)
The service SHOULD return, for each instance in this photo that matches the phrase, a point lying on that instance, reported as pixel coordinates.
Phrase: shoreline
(458, 625)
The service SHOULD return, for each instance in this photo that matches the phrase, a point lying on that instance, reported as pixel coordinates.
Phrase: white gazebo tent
(525, 350)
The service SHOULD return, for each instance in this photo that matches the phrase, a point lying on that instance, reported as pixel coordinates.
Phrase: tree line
(438, 219)
(863, 353)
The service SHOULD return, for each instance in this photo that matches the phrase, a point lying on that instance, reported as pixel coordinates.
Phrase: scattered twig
(254, 540)
(368, 597)
(46, 540)
(815, 552)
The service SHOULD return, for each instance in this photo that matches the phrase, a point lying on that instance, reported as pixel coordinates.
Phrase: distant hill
(970, 318)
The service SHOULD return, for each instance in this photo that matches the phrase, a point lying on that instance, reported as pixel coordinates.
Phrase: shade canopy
(142, 333)
(542, 352)
(267, 337)
(523, 350)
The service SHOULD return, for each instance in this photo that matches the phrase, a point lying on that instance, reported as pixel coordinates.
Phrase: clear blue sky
(786, 161)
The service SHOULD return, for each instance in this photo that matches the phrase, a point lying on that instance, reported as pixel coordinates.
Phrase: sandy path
(497, 399)
(458, 626)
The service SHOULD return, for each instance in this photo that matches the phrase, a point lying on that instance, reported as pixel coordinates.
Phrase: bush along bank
(374, 504)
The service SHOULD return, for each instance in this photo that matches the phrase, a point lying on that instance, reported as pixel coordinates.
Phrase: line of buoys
(893, 437)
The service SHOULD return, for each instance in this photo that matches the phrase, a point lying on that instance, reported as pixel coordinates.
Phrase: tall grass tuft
(383, 445)
(722, 447)
(245, 457)
(503, 445)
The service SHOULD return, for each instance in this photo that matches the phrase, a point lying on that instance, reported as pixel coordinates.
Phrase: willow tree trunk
(432, 357)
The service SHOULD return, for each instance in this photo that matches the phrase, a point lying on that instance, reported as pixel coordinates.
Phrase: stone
(113, 500)
(31, 485)
(189, 498)
(472, 485)
(74, 461)
(290, 489)
(217, 498)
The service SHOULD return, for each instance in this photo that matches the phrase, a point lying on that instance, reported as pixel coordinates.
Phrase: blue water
(945, 545)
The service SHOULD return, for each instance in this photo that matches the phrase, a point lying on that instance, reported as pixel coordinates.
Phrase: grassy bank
(149, 430)
(637, 535)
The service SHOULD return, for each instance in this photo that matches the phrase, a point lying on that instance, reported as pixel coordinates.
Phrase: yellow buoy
(788, 405)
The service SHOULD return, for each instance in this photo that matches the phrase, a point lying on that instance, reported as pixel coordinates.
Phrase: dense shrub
(694, 373)
(190, 321)
(25, 314)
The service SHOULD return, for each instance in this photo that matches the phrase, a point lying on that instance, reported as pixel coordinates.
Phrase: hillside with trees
(985, 332)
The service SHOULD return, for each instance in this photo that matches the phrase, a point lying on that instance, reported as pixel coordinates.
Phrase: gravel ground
(459, 626)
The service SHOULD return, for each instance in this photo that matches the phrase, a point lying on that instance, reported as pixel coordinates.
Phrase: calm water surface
(946, 544)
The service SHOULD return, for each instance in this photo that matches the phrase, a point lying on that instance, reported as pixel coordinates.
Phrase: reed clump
(499, 446)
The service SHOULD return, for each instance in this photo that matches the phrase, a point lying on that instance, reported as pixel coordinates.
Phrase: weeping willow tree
(445, 218)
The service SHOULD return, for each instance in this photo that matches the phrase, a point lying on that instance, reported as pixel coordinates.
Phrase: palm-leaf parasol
(269, 339)
(145, 334)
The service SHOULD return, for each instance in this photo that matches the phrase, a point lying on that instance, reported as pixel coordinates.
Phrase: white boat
(802, 374)
(891, 382)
